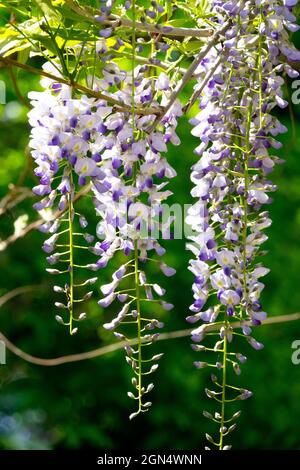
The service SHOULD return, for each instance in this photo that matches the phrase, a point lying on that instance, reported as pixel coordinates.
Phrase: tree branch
(120, 345)
(17, 89)
(34, 225)
(191, 70)
(15, 292)
(198, 92)
(111, 347)
(13, 198)
(116, 21)
(117, 104)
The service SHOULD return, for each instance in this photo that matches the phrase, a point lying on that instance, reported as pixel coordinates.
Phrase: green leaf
(45, 41)
(178, 23)
(169, 8)
(48, 9)
(192, 46)
(23, 54)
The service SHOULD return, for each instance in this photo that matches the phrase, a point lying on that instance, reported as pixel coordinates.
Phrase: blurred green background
(84, 405)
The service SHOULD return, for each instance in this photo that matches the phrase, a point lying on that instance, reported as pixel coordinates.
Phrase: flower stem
(245, 204)
(138, 308)
(223, 400)
(259, 66)
(136, 252)
(71, 258)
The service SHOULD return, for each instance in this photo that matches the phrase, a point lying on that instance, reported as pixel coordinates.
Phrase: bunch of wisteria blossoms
(77, 141)
(62, 131)
(231, 183)
(131, 210)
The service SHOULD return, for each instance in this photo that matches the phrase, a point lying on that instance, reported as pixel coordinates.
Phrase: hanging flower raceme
(237, 133)
(130, 203)
(62, 142)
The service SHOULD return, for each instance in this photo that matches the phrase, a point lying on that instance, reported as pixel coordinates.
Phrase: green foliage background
(84, 405)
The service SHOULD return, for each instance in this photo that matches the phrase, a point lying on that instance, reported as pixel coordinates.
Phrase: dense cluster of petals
(238, 135)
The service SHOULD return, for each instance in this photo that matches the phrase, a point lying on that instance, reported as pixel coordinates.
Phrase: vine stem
(37, 223)
(198, 92)
(138, 308)
(94, 353)
(223, 387)
(246, 188)
(17, 89)
(71, 247)
(118, 105)
(136, 253)
(260, 70)
(226, 321)
(117, 21)
(213, 41)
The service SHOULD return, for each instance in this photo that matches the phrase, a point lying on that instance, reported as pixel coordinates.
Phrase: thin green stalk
(71, 257)
(133, 64)
(139, 333)
(136, 253)
(245, 233)
(260, 70)
(223, 399)
(247, 151)
(59, 51)
(245, 204)
(224, 385)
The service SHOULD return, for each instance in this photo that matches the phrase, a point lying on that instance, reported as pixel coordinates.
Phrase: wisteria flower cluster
(61, 147)
(81, 140)
(131, 212)
(231, 183)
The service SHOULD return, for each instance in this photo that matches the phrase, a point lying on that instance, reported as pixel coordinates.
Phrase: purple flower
(106, 32)
(255, 344)
(106, 301)
(200, 364)
(167, 270)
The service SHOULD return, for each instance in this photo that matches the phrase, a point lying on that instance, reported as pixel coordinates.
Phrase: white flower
(219, 280)
(85, 167)
(163, 82)
(230, 298)
(157, 142)
(225, 258)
